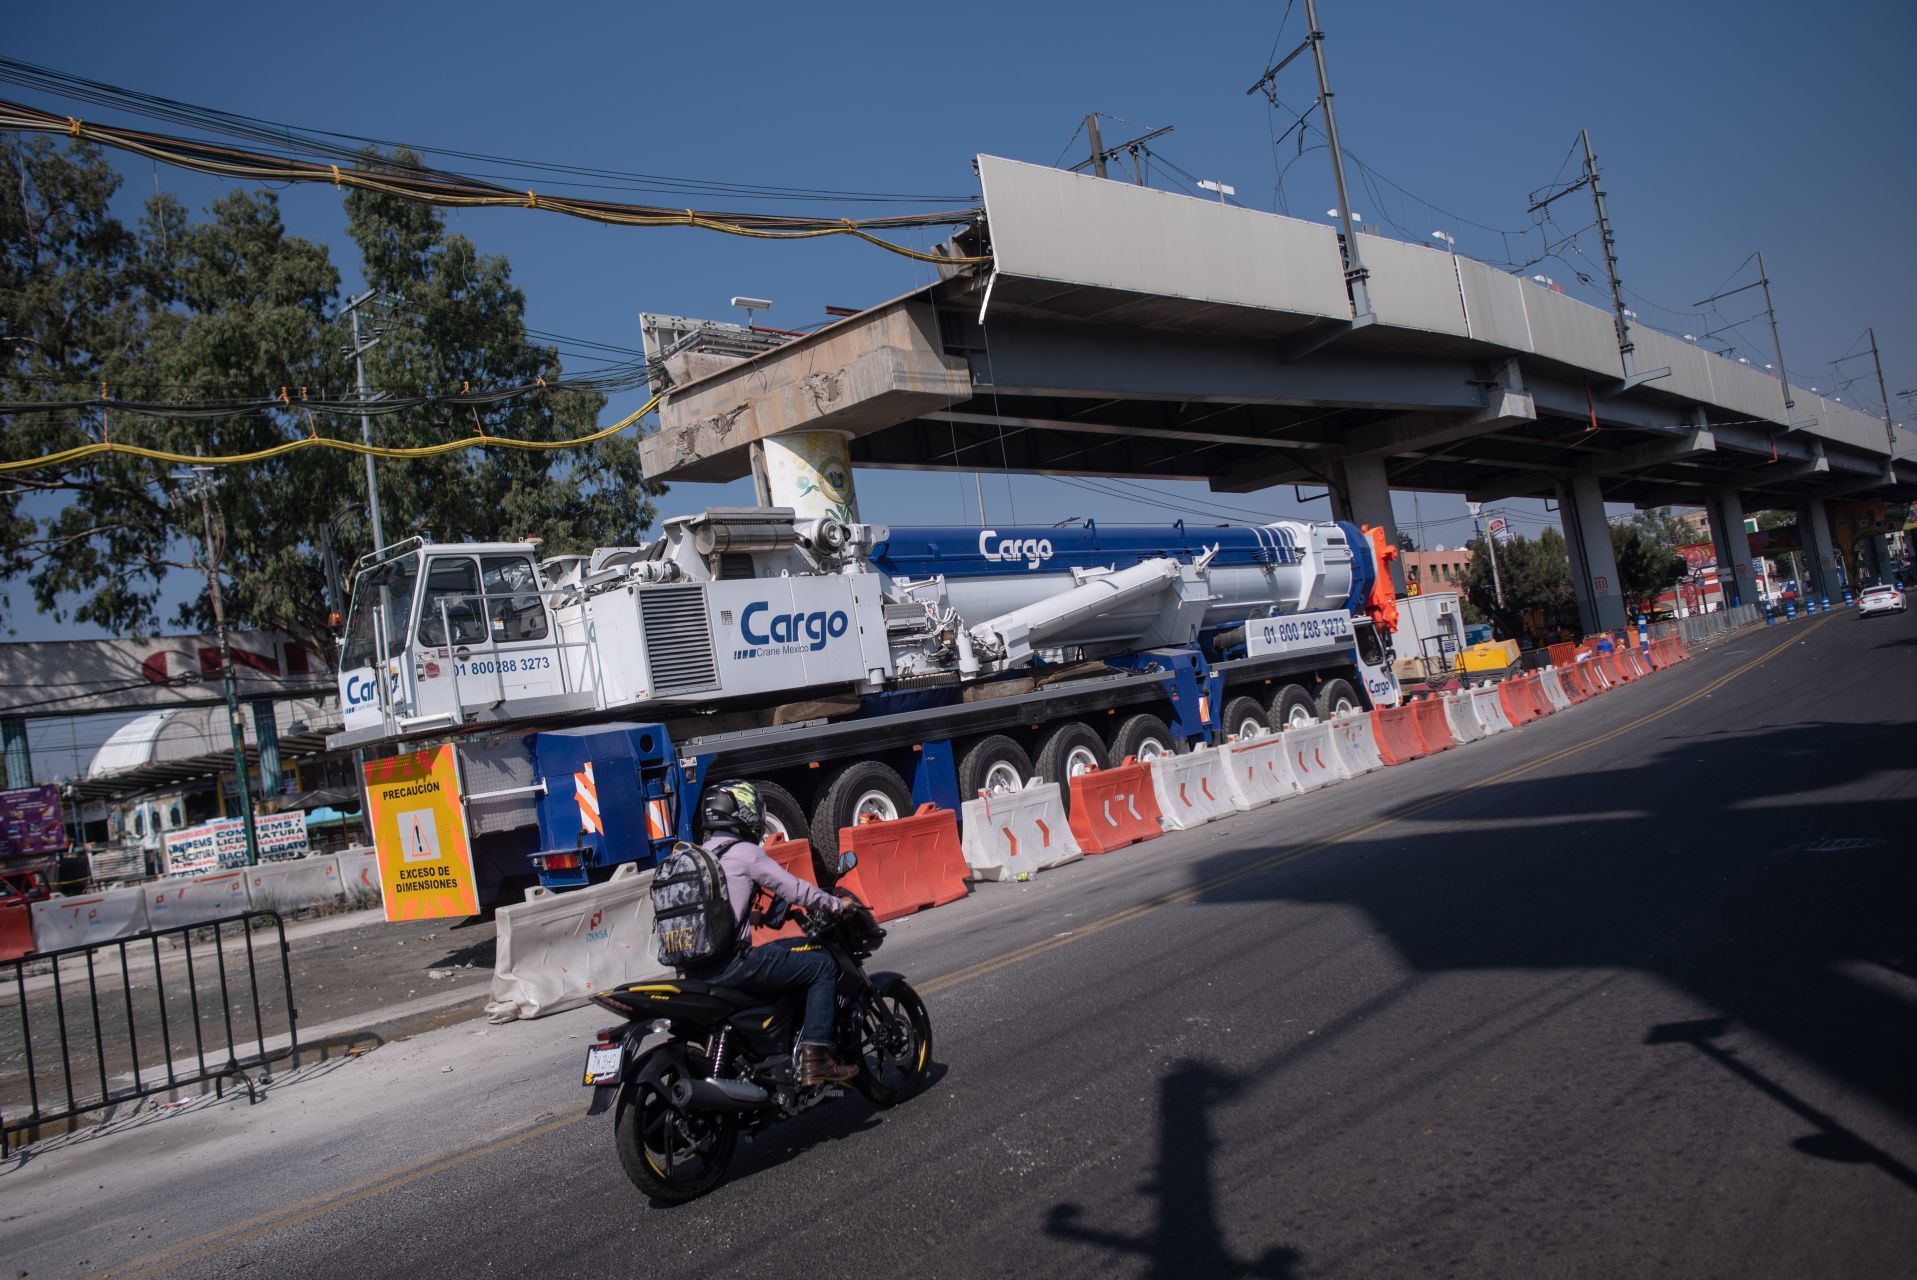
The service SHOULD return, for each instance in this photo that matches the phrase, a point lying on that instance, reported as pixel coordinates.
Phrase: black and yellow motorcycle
(695, 1065)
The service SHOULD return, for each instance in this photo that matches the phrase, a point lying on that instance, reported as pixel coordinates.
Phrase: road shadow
(1771, 874)
(826, 1123)
(1185, 1238)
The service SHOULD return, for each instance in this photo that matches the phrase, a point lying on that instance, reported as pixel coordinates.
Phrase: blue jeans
(784, 966)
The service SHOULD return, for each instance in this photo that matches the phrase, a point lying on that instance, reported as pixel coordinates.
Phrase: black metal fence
(110, 1022)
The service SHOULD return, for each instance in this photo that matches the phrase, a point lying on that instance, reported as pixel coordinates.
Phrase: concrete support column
(1820, 553)
(1587, 534)
(1361, 494)
(1726, 511)
(809, 471)
(13, 742)
(1878, 557)
(266, 732)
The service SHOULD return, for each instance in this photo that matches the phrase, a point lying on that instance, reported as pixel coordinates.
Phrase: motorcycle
(695, 1066)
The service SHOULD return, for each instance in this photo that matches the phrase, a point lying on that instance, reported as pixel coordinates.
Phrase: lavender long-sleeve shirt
(746, 866)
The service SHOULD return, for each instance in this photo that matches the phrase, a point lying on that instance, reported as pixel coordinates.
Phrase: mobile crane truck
(851, 671)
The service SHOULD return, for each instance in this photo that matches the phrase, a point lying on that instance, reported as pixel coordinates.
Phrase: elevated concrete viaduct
(1121, 331)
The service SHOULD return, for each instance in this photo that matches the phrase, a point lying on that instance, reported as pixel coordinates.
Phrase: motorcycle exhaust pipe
(718, 1095)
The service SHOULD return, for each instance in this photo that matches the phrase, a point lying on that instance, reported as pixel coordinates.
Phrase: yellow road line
(327, 1202)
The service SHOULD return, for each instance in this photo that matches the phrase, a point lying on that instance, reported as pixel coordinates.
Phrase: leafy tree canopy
(1645, 566)
(229, 306)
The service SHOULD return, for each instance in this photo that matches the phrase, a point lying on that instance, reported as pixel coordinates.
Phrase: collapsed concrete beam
(876, 370)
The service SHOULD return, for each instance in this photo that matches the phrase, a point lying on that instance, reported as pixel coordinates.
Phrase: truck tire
(1245, 718)
(994, 764)
(1144, 736)
(863, 786)
(784, 818)
(1067, 751)
(1292, 708)
(1338, 698)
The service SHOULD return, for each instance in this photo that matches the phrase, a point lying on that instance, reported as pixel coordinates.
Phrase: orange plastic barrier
(795, 856)
(1514, 695)
(1573, 687)
(1397, 732)
(16, 932)
(1112, 808)
(907, 864)
(1616, 668)
(1534, 689)
(1563, 655)
(1434, 732)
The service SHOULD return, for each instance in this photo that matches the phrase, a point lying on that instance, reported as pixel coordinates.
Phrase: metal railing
(104, 1034)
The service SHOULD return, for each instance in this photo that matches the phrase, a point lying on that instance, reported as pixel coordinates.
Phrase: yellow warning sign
(419, 831)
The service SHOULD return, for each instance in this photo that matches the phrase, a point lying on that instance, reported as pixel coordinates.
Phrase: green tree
(1644, 566)
(1535, 574)
(1665, 526)
(234, 308)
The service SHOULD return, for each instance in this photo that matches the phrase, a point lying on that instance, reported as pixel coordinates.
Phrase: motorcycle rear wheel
(895, 1043)
(670, 1156)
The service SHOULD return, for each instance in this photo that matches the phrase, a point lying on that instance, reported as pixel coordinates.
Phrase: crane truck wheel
(995, 765)
(784, 818)
(1144, 736)
(1068, 750)
(1245, 719)
(1292, 708)
(1338, 698)
(861, 789)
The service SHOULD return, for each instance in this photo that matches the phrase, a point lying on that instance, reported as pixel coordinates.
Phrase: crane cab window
(513, 607)
(451, 600)
(1370, 649)
(382, 601)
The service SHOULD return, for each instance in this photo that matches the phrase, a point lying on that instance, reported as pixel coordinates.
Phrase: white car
(1880, 600)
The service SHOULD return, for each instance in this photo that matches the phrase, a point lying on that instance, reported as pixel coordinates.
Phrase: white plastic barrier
(1191, 788)
(359, 873)
(1257, 772)
(1314, 761)
(195, 899)
(1462, 719)
(1356, 743)
(95, 917)
(1016, 832)
(1490, 711)
(295, 883)
(554, 950)
(1553, 688)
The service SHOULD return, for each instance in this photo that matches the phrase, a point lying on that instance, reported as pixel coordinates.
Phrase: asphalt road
(1631, 991)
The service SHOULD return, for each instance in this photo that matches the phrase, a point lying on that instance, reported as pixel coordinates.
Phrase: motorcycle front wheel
(671, 1156)
(895, 1043)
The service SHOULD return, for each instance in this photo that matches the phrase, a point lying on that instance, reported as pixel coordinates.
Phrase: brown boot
(817, 1066)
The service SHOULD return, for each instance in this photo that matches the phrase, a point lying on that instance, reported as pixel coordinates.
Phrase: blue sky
(1722, 128)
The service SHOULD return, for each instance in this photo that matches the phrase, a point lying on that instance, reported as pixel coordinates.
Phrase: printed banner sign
(419, 832)
(30, 822)
(220, 845)
(192, 850)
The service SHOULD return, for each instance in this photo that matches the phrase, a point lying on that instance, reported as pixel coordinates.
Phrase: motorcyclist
(732, 825)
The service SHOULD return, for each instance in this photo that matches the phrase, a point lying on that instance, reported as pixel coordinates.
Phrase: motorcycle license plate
(602, 1066)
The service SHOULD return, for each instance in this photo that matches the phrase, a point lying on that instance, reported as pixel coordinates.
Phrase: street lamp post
(203, 486)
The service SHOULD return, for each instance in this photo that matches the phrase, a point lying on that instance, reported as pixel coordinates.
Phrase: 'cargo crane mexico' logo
(1033, 551)
(788, 632)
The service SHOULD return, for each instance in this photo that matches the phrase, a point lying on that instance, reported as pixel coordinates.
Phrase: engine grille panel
(678, 631)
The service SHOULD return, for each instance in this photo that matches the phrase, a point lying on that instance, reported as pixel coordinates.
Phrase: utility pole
(213, 548)
(1890, 428)
(1770, 312)
(365, 419)
(1620, 314)
(1763, 278)
(1356, 277)
(1098, 143)
(1491, 549)
(1101, 155)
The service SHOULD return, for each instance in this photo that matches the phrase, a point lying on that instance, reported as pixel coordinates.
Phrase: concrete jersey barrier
(1314, 761)
(1356, 742)
(1461, 715)
(1258, 772)
(1191, 789)
(91, 918)
(195, 899)
(1016, 832)
(555, 950)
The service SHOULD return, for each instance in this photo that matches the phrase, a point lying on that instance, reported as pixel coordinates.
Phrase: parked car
(1880, 599)
(18, 888)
